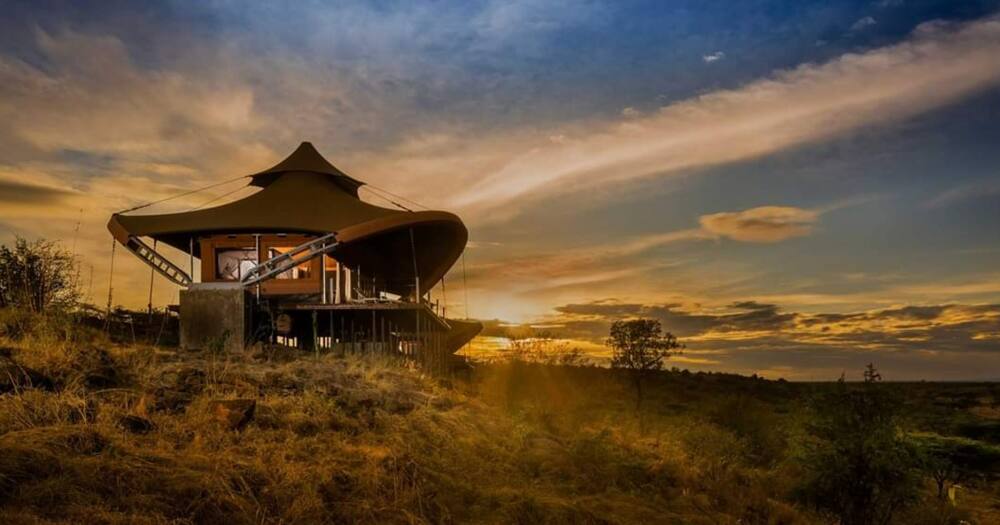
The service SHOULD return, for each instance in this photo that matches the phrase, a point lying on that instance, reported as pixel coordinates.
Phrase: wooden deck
(380, 306)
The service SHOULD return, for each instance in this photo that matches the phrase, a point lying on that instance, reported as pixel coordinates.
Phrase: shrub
(951, 460)
(37, 276)
(860, 469)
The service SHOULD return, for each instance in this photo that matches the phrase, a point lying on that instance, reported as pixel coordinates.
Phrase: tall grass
(368, 440)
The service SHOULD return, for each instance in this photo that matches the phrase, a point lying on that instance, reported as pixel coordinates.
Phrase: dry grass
(355, 440)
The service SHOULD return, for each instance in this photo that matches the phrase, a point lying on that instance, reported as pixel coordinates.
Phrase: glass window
(231, 264)
(302, 271)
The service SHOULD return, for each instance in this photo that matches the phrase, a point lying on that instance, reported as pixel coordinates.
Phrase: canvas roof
(305, 193)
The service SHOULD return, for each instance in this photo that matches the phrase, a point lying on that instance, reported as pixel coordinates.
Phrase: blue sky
(676, 159)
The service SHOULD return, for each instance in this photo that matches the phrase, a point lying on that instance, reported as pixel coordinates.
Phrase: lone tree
(36, 276)
(640, 346)
(860, 468)
(951, 460)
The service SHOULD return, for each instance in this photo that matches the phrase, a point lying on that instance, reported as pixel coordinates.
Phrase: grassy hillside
(97, 432)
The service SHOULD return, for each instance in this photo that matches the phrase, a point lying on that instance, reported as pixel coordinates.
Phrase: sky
(793, 188)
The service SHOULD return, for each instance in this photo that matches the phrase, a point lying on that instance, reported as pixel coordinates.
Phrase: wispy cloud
(713, 57)
(938, 64)
(863, 23)
(989, 188)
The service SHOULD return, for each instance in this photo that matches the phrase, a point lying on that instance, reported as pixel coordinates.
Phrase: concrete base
(214, 317)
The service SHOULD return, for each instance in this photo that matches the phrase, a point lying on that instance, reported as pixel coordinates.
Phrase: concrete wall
(208, 311)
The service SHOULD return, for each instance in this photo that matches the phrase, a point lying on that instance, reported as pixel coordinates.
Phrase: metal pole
(444, 297)
(149, 305)
(416, 273)
(416, 279)
(111, 278)
(256, 247)
(465, 286)
(191, 256)
(322, 275)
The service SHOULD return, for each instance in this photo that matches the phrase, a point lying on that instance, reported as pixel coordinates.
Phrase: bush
(860, 469)
(37, 276)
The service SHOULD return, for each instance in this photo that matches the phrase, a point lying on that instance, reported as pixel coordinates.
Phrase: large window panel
(231, 264)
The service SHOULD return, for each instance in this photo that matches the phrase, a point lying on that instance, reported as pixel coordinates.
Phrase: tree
(36, 276)
(860, 469)
(640, 346)
(952, 460)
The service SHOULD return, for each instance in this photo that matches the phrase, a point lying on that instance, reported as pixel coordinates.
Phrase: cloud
(945, 328)
(12, 192)
(622, 264)
(749, 336)
(713, 57)
(764, 224)
(964, 192)
(939, 64)
(863, 24)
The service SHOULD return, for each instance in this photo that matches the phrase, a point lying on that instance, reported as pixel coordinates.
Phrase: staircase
(157, 261)
(290, 259)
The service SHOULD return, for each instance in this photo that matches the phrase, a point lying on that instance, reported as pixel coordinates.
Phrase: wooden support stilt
(315, 334)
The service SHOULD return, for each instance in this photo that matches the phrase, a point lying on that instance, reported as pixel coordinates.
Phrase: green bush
(859, 467)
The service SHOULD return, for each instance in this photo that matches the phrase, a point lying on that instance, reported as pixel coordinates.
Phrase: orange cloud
(763, 224)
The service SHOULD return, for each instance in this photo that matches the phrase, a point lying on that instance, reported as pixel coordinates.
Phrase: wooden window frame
(311, 285)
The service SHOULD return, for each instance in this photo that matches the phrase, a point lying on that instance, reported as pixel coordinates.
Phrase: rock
(235, 414)
(136, 424)
(15, 377)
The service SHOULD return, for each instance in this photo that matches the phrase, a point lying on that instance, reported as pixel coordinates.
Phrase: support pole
(191, 256)
(315, 337)
(465, 286)
(416, 279)
(340, 280)
(444, 297)
(149, 304)
(111, 278)
(322, 276)
(416, 273)
(256, 247)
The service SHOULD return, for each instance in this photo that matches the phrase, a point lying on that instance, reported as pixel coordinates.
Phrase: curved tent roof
(306, 194)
